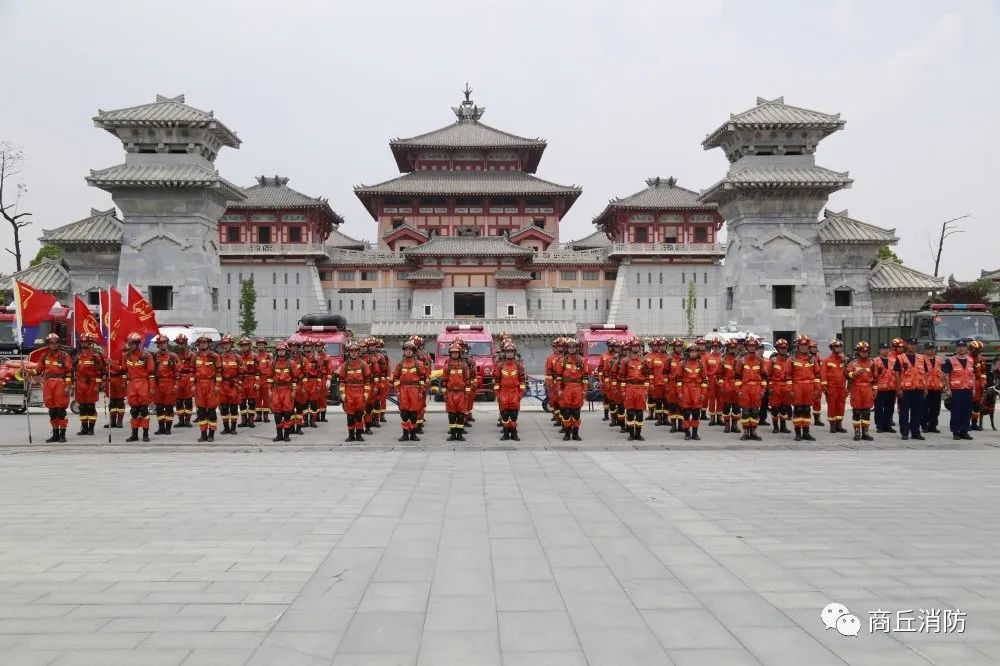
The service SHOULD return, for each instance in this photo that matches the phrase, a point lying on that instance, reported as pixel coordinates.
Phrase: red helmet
(134, 337)
(781, 344)
(244, 341)
(53, 337)
(803, 340)
(262, 341)
(976, 346)
(410, 344)
(86, 338)
(281, 346)
(181, 339)
(455, 347)
(862, 347)
(201, 339)
(836, 343)
(226, 339)
(351, 346)
(162, 339)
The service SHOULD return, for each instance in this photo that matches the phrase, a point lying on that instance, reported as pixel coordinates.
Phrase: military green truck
(942, 324)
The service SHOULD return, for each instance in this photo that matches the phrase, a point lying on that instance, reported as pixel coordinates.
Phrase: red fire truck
(58, 321)
(331, 330)
(480, 342)
(594, 340)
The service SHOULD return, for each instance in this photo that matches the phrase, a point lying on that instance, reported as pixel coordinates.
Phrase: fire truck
(480, 342)
(331, 330)
(594, 340)
(58, 321)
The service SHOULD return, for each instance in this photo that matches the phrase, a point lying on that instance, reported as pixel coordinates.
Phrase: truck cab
(480, 342)
(334, 343)
(58, 321)
(946, 322)
(594, 340)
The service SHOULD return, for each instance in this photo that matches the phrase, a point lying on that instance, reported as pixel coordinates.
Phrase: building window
(161, 298)
(585, 304)
(296, 277)
(274, 278)
(684, 278)
(93, 298)
(706, 304)
(324, 276)
(371, 276)
(264, 235)
(649, 303)
(397, 222)
(295, 234)
(215, 299)
(286, 277)
(240, 278)
(534, 275)
(352, 304)
(428, 310)
(297, 304)
(328, 305)
(362, 304)
(511, 310)
(274, 303)
(649, 278)
(232, 234)
(784, 296)
(539, 304)
(842, 298)
(539, 223)
(345, 276)
(286, 303)
(706, 278)
(641, 235)
(399, 304)
(694, 303)
(700, 235)
(229, 304)
(610, 275)
(229, 278)
(574, 304)
(607, 303)
(661, 277)
(638, 303)
(591, 275)
(567, 275)
(729, 298)
(661, 303)
(694, 278)
(596, 307)
(638, 278)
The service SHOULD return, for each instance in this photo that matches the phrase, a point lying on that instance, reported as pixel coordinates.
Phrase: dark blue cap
(912, 341)
(884, 345)
(930, 345)
(961, 341)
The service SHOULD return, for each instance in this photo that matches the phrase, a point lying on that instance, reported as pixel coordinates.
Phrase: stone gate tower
(771, 197)
(171, 198)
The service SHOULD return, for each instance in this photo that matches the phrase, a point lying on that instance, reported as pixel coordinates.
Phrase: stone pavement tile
(151, 624)
(507, 530)
(24, 611)
(690, 628)
(266, 655)
(49, 625)
(629, 558)
(315, 644)
(217, 657)
(121, 658)
(464, 558)
(958, 654)
(583, 555)
(241, 623)
(462, 582)
(459, 647)
(586, 580)
(521, 568)
(461, 613)
(403, 597)
(405, 569)
(528, 595)
(375, 659)
(534, 631)
(544, 659)
(34, 658)
(792, 600)
(71, 642)
(708, 578)
(602, 611)
(616, 647)
(653, 594)
(516, 548)
(713, 657)
(779, 645)
(743, 609)
(311, 620)
(383, 633)
(900, 656)
(197, 639)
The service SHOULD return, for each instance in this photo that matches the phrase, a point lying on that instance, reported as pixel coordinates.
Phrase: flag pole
(107, 365)
(19, 322)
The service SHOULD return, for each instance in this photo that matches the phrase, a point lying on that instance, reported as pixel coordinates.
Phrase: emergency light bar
(451, 328)
(609, 327)
(977, 307)
(318, 329)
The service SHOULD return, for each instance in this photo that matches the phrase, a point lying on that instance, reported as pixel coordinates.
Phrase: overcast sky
(621, 91)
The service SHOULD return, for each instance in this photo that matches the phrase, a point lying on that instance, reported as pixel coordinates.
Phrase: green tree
(46, 252)
(690, 305)
(885, 253)
(978, 291)
(248, 308)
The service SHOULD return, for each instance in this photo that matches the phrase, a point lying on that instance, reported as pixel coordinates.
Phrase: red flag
(32, 305)
(121, 322)
(84, 320)
(143, 312)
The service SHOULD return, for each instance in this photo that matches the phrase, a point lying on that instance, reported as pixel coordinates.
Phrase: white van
(192, 333)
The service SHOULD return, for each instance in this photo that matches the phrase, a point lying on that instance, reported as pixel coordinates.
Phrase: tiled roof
(48, 275)
(593, 257)
(991, 275)
(273, 192)
(425, 274)
(468, 134)
(890, 276)
(508, 274)
(462, 183)
(401, 228)
(596, 240)
(101, 226)
(532, 228)
(516, 327)
(774, 114)
(839, 228)
(662, 193)
(341, 257)
(779, 176)
(166, 112)
(162, 175)
(486, 246)
(339, 239)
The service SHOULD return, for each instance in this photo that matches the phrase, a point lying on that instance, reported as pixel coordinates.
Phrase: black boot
(54, 438)
(204, 436)
(798, 433)
(285, 436)
(784, 427)
(211, 435)
(160, 430)
(452, 436)
(865, 436)
(413, 436)
(134, 437)
(461, 436)
(145, 434)
(754, 436)
(631, 434)
(576, 435)
(727, 428)
(505, 436)
(405, 437)
(694, 434)
(168, 426)
(84, 430)
(806, 436)
(358, 437)
(566, 436)
(350, 436)
(775, 425)
(513, 435)
(605, 415)
(816, 420)
(638, 434)
(279, 437)
(687, 433)
(857, 434)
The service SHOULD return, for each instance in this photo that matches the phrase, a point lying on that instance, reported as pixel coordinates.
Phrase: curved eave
(861, 241)
(401, 152)
(716, 138)
(226, 135)
(234, 192)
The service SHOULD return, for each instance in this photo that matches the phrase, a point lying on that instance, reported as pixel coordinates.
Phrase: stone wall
(654, 298)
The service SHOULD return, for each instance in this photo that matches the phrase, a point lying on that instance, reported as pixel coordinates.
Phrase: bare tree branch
(11, 161)
(947, 229)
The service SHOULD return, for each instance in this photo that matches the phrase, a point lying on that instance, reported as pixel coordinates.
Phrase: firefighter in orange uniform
(424, 358)
(885, 387)
(116, 389)
(635, 377)
(309, 365)
(692, 389)
(207, 382)
(355, 391)
(366, 358)
(911, 378)
(817, 404)
(167, 369)
(805, 385)
(323, 361)
(979, 368)
(281, 381)
(264, 362)
(552, 380)
(713, 364)
(778, 369)
(409, 378)
(457, 383)
(90, 370)
(861, 382)
(572, 372)
(56, 368)
(249, 384)
(141, 376)
(658, 362)
(510, 380)
(729, 390)
(751, 381)
(300, 397)
(184, 389)
(935, 387)
(385, 369)
(470, 401)
(229, 390)
(833, 376)
(603, 365)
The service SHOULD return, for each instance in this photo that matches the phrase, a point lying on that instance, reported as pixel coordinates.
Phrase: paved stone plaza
(710, 553)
